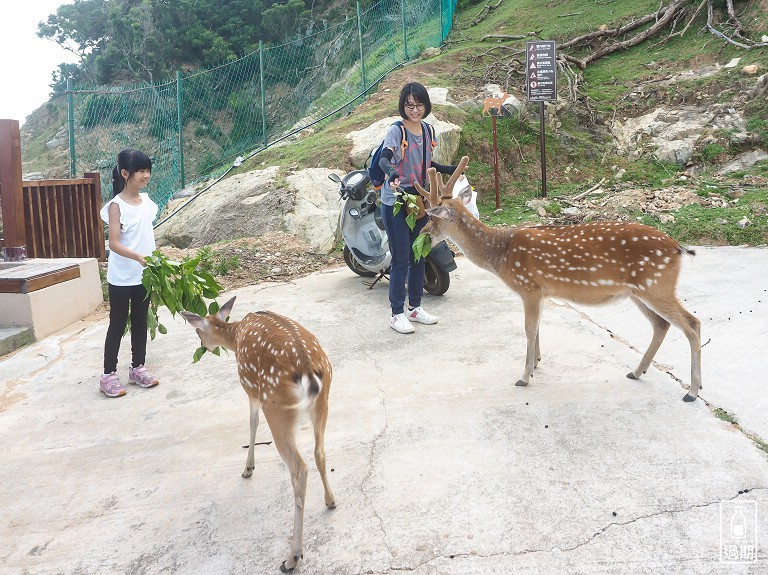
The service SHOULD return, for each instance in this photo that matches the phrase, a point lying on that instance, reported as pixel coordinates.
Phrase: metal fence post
(360, 41)
(180, 121)
(71, 121)
(442, 25)
(263, 95)
(405, 40)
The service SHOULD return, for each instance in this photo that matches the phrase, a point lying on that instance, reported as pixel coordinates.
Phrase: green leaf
(410, 219)
(422, 245)
(199, 352)
(162, 329)
(213, 308)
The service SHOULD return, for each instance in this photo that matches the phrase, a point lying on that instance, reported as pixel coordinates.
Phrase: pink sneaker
(142, 377)
(109, 384)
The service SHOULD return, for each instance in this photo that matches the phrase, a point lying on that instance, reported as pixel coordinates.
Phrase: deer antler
(447, 191)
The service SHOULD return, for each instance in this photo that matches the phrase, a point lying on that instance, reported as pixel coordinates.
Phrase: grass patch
(725, 416)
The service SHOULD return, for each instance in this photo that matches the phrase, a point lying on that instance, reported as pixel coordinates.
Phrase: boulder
(254, 203)
(245, 205)
(368, 139)
(315, 215)
(744, 161)
(672, 134)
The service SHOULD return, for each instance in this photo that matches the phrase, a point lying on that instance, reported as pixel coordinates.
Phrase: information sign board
(540, 71)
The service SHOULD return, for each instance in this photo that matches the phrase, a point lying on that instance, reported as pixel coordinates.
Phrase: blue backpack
(375, 173)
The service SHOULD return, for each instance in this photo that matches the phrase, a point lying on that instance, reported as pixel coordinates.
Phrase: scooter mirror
(334, 178)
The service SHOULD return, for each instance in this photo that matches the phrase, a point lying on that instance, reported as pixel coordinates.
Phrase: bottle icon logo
(738, 524)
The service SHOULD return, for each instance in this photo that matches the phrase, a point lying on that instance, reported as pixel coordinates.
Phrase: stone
(368, 139)
(750, 70)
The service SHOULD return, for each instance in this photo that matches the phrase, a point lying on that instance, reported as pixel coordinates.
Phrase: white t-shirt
(136, 233)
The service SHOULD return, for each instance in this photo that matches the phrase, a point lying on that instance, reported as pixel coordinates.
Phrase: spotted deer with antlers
(594, 263)
(285, 372)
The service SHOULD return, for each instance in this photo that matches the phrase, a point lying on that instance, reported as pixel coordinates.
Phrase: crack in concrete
(588, 541)
(662, 368)
(373, 454)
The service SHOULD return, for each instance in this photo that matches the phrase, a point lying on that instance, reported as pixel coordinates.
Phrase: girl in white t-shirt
(129, 216)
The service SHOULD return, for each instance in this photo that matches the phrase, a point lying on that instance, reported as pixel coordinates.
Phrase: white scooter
(366, 248)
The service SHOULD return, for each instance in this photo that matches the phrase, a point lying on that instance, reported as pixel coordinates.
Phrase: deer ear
(226, 309)
(194, 320)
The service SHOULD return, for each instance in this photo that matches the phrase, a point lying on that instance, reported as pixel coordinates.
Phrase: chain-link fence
(195, 125)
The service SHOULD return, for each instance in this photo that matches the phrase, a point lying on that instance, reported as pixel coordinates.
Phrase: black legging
(119, 299)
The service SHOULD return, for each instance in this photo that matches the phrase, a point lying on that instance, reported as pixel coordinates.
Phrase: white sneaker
(418, 314)
(401, 324)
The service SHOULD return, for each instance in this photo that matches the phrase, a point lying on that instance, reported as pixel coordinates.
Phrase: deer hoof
(631, 375)
(248, 472)
(286, 569)
(521, 383)
(688, 398)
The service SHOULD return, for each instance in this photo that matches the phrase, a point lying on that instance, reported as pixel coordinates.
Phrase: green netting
(195, 125)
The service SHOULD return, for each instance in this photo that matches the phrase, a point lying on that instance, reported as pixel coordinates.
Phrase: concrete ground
(439, 464)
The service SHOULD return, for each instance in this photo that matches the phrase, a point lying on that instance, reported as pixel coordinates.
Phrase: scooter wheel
(355, 266)
(436, 279)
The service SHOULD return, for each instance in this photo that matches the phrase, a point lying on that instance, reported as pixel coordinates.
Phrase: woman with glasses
(405, 163)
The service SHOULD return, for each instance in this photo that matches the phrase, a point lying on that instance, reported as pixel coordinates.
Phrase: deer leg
(319, 415)
(532, 309)
(538, 351)
(282, 424)
(672, 311)
(660, 329)
(690, 325)
(249, 462)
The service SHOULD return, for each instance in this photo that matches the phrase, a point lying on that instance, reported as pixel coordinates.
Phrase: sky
(26, 61)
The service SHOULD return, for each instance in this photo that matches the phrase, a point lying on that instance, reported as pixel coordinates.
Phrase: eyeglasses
(412, 107)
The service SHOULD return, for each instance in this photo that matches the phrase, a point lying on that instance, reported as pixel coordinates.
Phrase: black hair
(131, 161)
(419, 94)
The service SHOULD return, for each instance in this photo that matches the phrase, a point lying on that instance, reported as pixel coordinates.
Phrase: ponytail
(118, 183)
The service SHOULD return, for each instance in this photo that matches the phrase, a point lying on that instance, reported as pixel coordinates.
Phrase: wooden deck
(28, 276)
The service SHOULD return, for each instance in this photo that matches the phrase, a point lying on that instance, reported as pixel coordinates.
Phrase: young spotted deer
(283, 370)
(593, 263)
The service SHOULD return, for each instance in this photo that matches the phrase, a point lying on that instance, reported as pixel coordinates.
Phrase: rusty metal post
(496, 159)
(543, 145)
(14, 229)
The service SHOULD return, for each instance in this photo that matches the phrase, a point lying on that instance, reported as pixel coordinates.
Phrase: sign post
(541, 86)
(495, 162)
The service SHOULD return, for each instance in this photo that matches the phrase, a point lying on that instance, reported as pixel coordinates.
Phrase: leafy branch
(180, 287)
(403, 198)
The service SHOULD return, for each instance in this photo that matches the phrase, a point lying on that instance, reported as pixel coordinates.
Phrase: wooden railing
(46, 218)
(62, 218)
